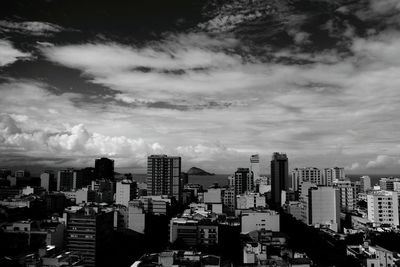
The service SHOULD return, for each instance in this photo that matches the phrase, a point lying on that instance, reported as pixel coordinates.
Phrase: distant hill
(198, 171)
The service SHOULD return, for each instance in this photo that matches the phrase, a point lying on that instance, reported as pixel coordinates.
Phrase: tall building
(255, 166)
(164, 176)
(324, 207)
(104, 168)
(331, 174)
(347, 194)
(126, 191)
(279, 177)
(388, 183)
(383, 207)
(88, 233)
(48, 181)
(244, 181)
(68, 180)
(308, 174)
(365, 183)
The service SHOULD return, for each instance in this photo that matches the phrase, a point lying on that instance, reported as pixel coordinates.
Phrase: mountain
(198, 171)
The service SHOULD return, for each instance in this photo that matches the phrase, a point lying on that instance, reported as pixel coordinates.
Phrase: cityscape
(97, 217)
(199, 133)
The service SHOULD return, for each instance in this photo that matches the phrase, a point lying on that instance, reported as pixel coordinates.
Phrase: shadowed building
(279, 177)
(104, 168)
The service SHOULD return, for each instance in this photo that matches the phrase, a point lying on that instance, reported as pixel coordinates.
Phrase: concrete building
(365, 184)
(325, 207)
(178, 258)
(255, 167)
(253, 220)
(104, 169)
(371, 256)
(229, 199)
(126, 190)
(48, 181)
(279, 177)
(88, 232)
(254, 253)
(68, 180)
(244, 181)
(85, 195)
(158, 205)
(347, 194)
(136, 218)
(308, 174)
(383, 207)
(194, 232)
(331, 174)
(388, 183)
(250, 200)
(164, 176)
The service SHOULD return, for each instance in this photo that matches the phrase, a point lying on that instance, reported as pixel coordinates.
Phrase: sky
(211, 81)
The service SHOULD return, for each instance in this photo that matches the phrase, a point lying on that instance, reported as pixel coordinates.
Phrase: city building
(365, 184)
(308, 174)
(255, 167)
(48, 181)
(331, 174)
(250, 200)
(126, 190)
(85, 195)
(178, 258)
(164, 176)
(253, 220)
(383, 207)
(104, 168)
(157, 205)
(347, 194)
(244, 181)
(279, 177)
(388, 183)
(371, 256)
(194, 232)
(136, 218)
(229, 200)
(68, 180)
(88, 232)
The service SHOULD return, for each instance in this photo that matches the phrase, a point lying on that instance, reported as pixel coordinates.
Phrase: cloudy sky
(211, 81)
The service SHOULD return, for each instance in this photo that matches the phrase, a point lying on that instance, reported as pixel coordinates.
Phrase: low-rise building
(252, 220)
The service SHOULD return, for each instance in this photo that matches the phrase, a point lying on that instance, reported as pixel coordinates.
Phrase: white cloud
(383, 162)
(30, 27)
(9, 54)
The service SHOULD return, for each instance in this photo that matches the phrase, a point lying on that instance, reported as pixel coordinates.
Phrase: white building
(45, 181)
(85, 195)
(308, 174)
(258, 220)
(213, 196)
(304, 200)
(255, 166)
(365, 183)
(126, 190)
(136, 218)
(383, 207)
(324, 207)
(331, 174)
(254, 253)
(250, 200)
(26, 191)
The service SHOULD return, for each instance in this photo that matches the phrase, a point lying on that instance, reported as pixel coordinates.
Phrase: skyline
(203, 87)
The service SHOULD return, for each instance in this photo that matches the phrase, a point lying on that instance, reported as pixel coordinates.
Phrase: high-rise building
(331, 174)
(126, 191)
(279, 177)
(69, 180)
(255, 166)
(104, 168)
(383, 207)
(365, 183)
(88, 233)
(388, 183)
(48, 181)
(308, 174)
(324, 207)
(347, 194)
(164, 176)
(244, 181)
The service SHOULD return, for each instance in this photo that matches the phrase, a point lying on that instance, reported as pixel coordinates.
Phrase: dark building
(104, 168)
(244, 181)
(68, 180)
(88, 175)
(4, 173)
(55, 202)
(89, 231)
(164, 176)
(279, 177)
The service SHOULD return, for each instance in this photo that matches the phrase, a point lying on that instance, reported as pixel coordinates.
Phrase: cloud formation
(36, 28)
(9, 54)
